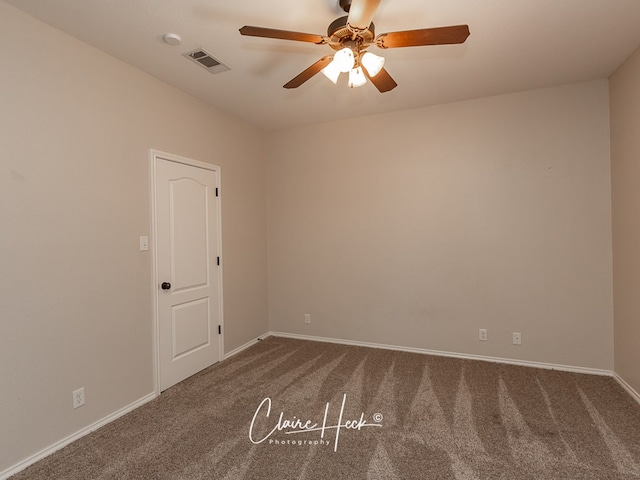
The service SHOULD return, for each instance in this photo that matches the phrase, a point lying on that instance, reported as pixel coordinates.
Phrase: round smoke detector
(172, 39)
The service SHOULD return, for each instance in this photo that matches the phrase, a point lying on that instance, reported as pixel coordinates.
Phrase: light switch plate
(144, 243)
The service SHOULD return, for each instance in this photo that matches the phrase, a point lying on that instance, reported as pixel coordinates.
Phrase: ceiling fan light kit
(345, 61)
(351, 36)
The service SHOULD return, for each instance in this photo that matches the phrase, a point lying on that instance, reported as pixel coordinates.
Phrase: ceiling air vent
(206, 60)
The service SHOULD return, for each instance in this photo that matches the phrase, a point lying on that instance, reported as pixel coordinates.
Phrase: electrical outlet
(78, 397)
(517, 338)
(307, 318)
(482, 335)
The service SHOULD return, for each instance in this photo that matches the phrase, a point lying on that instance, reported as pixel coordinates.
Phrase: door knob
(165, 285)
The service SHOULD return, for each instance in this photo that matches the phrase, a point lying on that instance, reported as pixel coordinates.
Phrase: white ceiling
(514, 45)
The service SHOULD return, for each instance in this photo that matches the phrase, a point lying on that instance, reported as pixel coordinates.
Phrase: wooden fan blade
(282, 34)
(382, 81)
(361, 13)
(309, 72)
(425, 36)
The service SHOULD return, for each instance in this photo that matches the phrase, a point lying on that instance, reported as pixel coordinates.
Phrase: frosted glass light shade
(331, 71)
(372, 63)
(344, 59)
(357, 78)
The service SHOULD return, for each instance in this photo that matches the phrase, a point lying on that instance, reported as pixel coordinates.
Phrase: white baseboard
(72, 438)
(245, 346)
(627, 387)
(508, 361)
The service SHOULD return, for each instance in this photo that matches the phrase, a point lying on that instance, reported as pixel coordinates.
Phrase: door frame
(154, 157)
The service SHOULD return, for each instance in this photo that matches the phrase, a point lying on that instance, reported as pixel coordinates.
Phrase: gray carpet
(390, 415)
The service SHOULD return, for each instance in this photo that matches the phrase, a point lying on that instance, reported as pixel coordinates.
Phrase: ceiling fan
(350, 36)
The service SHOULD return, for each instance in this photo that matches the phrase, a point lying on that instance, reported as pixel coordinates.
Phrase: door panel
(190, 327)
(187, 247)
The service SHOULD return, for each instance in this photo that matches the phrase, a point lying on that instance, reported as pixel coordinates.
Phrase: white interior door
(187, 221)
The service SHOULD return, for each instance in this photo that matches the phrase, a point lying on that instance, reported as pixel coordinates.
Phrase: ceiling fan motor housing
(339, 33)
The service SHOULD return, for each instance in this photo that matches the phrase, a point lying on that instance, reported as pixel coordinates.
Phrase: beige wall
(625, 178)
(418, 228)
(76, 126)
